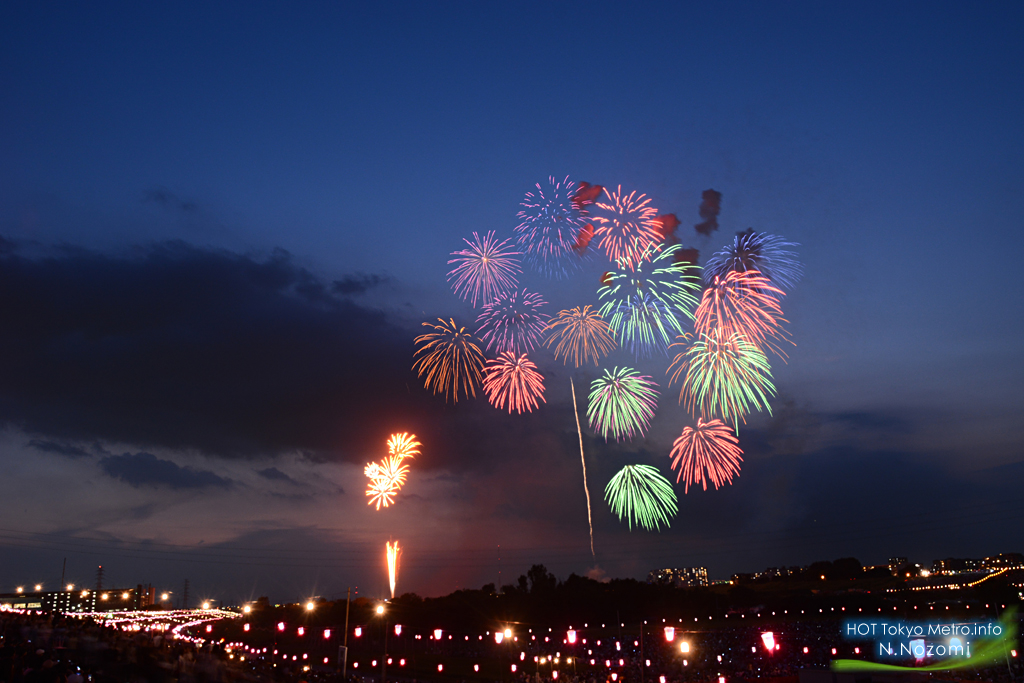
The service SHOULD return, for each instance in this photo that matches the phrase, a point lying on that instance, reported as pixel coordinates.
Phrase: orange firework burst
(708, 451)
(388, 476)
(404, 445)
(745, 303)
(450, 359)
(514, 382)
(581, 332)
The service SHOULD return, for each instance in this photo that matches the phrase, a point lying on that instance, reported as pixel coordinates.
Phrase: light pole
(384, 659)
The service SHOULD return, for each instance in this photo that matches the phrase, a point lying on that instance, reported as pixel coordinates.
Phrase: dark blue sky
(181, 186)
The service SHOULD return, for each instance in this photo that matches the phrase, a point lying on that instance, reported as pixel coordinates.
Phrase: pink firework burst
(625, 226)
(513, 322)
(513, 382)
(708, 451)
(484, 270)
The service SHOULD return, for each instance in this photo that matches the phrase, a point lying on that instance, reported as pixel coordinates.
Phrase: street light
(310, 606)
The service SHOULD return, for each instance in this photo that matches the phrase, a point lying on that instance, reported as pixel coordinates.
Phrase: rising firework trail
(513, 382)
(622, 403)
(450, 359)
(549, 226)
(624, 226)
(392, 554)
(723, 376)
(744, 303)
(640, 495)
(513, 322)
(586, 489)
(708, 451)
(582, 334)
(484, 270)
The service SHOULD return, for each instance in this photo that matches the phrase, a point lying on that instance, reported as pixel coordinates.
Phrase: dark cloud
(182, 347)
(145, 469)
(274, 474)
(359, 283)
(710, 207)
(58, 448)
(168, 200)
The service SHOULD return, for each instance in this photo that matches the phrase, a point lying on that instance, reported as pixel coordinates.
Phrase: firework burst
(625, 226)
(724, 376)
(758, 251)
(744, 303)
(513, 382)
(513, 322)
(581, 333)
(484, 270)
(403, 445)
(450, 359)
(709, 451)
(622, 403)
(386, 479)
(549, 226)
(388, 476)
(641, 495)
(646, 303)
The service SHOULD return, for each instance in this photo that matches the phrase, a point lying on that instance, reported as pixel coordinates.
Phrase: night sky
(223, 225)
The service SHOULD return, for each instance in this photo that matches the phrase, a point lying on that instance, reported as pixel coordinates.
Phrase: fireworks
(386, 480)
(549, 227)
(581, 332)
(513, 381)
(625, 226)
(642, 496)
(757, 251)
(388, 476)
(744, 303)
(392, 553)
(622, 403)
(724, 376)
(647, 302)
(450, 359)
(404, 445)
(708, 451)
(512, 322)
(488, 268)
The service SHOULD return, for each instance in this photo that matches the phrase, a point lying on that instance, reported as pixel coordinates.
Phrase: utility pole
(344, 647)
(184, 596)
(99, 578)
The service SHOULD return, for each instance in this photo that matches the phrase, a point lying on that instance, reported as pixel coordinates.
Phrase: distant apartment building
(896, 563)
(684, 577)
(80, 600)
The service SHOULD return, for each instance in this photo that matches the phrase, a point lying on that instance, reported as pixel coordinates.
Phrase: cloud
(65, 449)
(183, 347)
(168, 200)
(710, 207)
(145, 469)
(274, 474)
(359, 283)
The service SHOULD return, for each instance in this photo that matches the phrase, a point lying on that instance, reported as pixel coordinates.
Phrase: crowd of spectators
(38, 648)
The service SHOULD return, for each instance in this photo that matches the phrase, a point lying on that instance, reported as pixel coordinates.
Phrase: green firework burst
(722, 376)
(646, 305)
(642, 496)
(622, 403)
